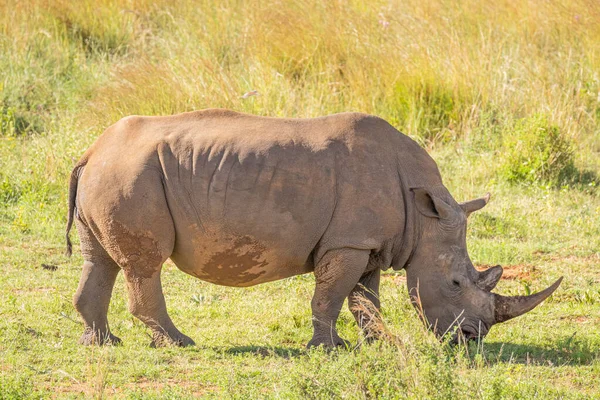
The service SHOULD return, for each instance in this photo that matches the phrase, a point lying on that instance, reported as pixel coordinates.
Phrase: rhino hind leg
(336, 274)
(141, 248)
(364, 304)
(95, 289)
(147, 303)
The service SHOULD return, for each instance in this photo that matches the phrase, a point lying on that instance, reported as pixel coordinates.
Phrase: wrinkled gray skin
(239, 200)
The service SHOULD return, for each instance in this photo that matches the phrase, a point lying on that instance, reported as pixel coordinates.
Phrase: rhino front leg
(147, 303)
(364, 304)
(336, 275)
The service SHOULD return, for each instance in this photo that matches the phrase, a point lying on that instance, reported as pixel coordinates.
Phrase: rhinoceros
(239, 200)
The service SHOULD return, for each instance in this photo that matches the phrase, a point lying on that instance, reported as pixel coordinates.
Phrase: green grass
(504, 96)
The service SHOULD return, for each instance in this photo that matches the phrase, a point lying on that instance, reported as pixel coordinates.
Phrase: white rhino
(239, 200)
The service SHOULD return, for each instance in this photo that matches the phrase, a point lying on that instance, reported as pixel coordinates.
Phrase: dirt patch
(143, 384)
(518, 272)
(590, 258)
(195, 388)
(33, 290)
(577, 318)
(71, 388)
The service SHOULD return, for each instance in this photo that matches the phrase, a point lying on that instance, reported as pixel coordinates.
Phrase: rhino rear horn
(474, 205)
(506, 308)
(488, 279)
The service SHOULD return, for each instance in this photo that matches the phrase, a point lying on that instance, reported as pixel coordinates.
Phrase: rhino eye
(455, 283)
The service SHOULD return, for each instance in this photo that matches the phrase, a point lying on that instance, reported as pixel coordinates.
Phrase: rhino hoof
(90, 338)
(329, 343)
(370, 339)
(163, 340)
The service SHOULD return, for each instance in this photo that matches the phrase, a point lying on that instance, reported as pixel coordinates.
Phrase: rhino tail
(72, 197)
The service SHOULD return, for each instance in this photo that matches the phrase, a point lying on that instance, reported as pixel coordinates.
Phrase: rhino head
(454, 297)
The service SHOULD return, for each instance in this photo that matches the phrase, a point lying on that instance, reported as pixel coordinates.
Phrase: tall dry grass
(437, 69)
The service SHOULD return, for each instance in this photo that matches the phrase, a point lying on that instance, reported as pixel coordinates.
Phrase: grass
(504, 95)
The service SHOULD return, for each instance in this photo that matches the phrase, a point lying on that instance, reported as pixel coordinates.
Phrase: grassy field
(505, 95)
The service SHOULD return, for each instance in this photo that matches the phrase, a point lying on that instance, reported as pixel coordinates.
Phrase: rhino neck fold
(409, 239)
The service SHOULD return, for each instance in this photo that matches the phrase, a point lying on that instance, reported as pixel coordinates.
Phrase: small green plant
(7, 122)
(15, 122)
(538, 152)
(486, 225)
(17, 388)
(9, 191)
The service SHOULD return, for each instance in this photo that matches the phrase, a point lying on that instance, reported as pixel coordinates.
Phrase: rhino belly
(239, 260)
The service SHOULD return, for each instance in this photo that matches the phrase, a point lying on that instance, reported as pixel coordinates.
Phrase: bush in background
(537, 152)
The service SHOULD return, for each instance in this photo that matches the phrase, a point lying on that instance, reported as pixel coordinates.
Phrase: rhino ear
(431, 205)
(474, 205)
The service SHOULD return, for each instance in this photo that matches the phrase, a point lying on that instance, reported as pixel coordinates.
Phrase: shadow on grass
(566, 352)
(264, 351)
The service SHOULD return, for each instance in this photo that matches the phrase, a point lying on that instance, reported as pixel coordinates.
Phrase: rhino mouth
(467, 334)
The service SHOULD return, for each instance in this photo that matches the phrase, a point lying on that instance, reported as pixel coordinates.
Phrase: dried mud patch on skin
(518, 272)
(241, 262)
(137, 252)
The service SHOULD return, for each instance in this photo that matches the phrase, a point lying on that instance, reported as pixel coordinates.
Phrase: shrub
(14, 122)
(537, 152)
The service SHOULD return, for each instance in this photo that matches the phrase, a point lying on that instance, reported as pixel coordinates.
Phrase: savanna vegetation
(505, 95)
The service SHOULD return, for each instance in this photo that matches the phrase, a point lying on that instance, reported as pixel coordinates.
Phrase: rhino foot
(91, 337)
(163, 340)
(329, 343)
(371, 338)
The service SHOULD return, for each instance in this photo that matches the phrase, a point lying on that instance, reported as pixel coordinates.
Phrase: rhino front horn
(510, 307)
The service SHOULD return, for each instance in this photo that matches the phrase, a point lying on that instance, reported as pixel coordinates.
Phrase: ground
(251, 341)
